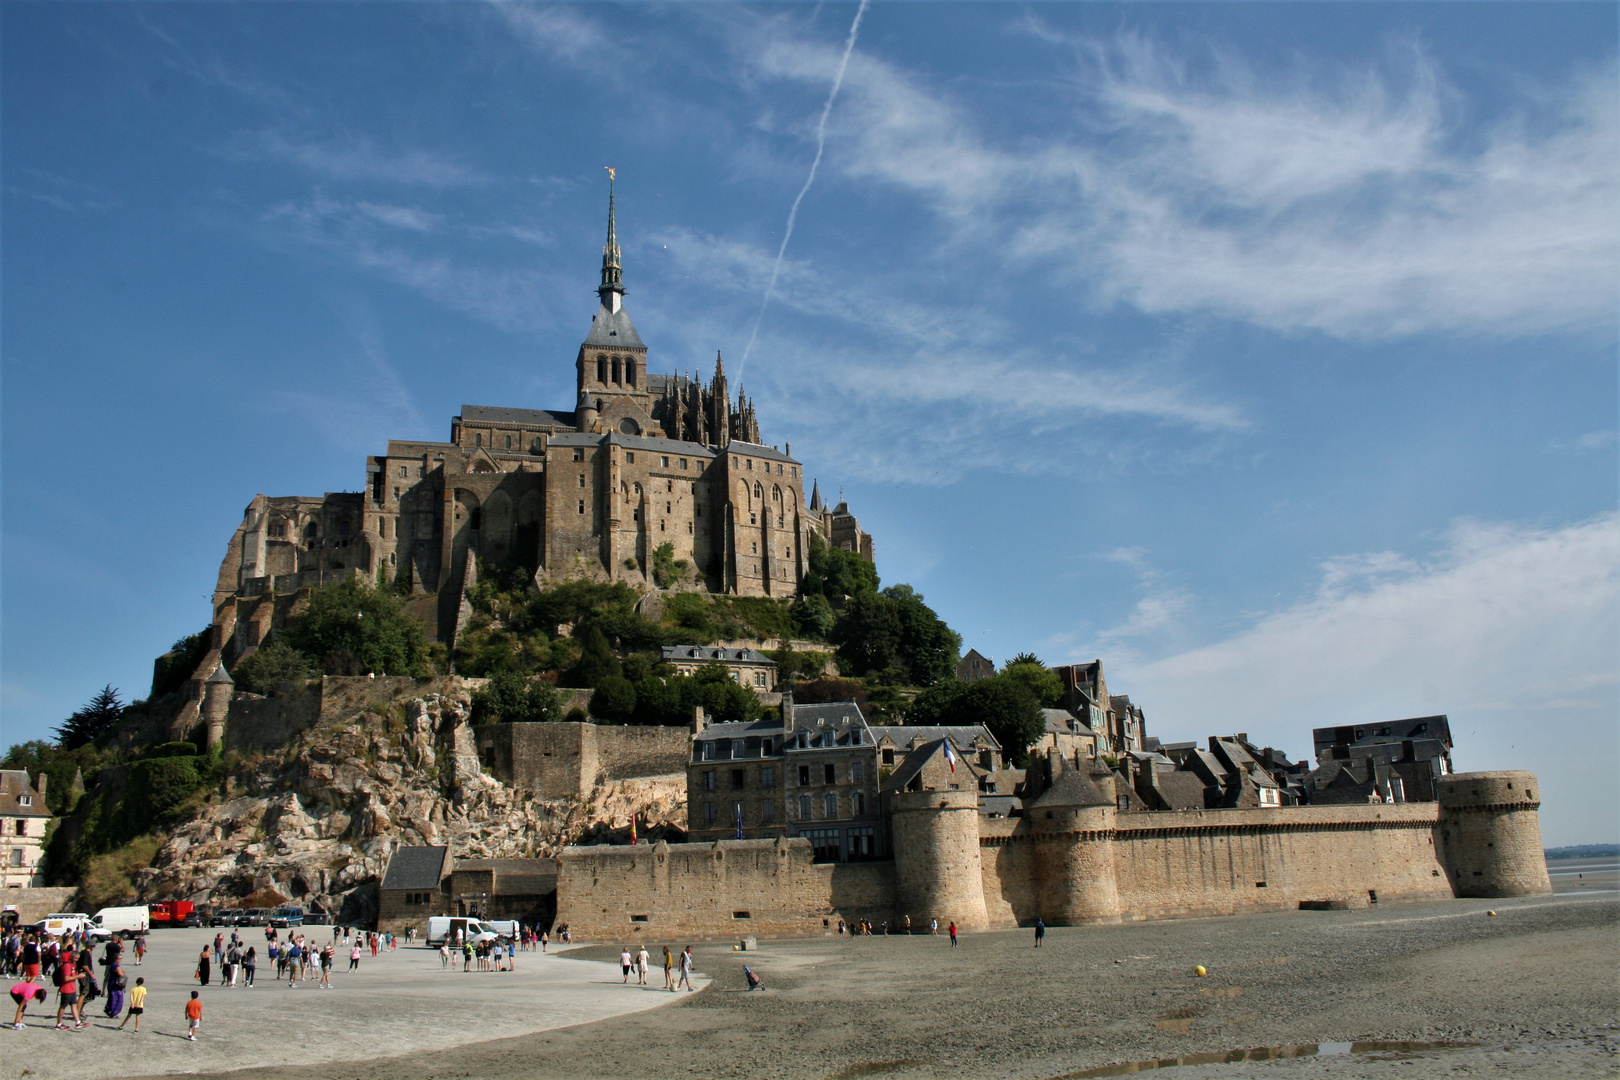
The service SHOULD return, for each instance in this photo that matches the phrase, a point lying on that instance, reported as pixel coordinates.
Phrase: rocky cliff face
(320, 819)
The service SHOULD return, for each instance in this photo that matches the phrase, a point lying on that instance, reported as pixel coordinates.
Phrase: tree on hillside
(897, 637)
(513, 698)
(352, 628)
(174, 667)
(271, 664)
(835, 574)
(1001, 703)
(818, 691)
(670, 700)
(92, 723)
(1041, 680)
(597, 663)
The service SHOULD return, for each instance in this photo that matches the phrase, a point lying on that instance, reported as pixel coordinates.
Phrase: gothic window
(636, 488)
(630, 371)
(478, 439)
(776, 494)
(509, 442)
(616, 370)
(759, 492)
(601, 369)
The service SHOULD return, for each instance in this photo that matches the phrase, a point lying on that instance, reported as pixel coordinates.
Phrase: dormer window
(25, 800)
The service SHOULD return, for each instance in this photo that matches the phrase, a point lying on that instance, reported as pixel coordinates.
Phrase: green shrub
(352, 628)
(174, 667)
(271, 664)
(666, 568)
(512, 698)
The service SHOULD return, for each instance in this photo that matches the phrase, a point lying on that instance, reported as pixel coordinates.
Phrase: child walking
(137, 1004)
(193, 1016)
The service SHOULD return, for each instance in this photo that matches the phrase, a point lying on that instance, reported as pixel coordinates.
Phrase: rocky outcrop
(320, 819)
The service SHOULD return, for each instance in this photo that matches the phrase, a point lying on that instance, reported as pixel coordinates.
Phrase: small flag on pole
(632, 829)
(950, 755)
(739, 821)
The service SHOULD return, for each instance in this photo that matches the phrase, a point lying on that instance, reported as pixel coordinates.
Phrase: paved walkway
(396, 1003)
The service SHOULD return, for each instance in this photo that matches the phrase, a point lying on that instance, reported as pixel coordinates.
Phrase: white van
(457, 930)
(70, 922)
(123, 921)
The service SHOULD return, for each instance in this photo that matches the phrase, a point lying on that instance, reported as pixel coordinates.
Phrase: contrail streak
(793, 214)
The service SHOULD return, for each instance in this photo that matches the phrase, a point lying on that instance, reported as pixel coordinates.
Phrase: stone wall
(730, 888)
(567, 760)
(1220, 862)
(257, 724)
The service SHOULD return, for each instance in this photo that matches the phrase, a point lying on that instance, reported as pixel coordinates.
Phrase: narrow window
(829, 773)
(804, 808)
(402, 472)
(601, 369)
(616, 369)
(579, 453)
(831, 804)
(478, 439)
(857, 770)
(804, 770)
(582, 506)
(630, 459)
(739, 780)
(767, 810)
(860, 803)
(767, 775)
(581, 479)
(663, 460)
(708, 812)
(683, 463)
(630, 371)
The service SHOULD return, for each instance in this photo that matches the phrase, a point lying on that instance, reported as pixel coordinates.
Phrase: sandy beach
(1530, 991)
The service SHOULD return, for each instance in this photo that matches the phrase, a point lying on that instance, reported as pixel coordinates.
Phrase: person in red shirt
(24, 994)
(67, 981)
(193, 1016)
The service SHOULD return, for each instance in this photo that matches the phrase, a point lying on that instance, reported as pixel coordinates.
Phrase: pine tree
(93, 722)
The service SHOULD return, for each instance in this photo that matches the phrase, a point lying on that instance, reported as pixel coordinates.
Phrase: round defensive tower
(936, 857)
(1490, 834)
(1073, 823)
(216, 704)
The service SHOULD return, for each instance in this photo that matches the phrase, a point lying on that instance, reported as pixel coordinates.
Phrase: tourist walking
(140, 949)
(354, 956)
(669, 969)
(115, 989)
(227, 970)
(295, 957)
(67, 993)
(193, 1016)
(641, 965)
(624, 963)
(250, 964)
(686, 969)
(137, 1004)
(327, 958)
(204, 959)
(444, 957)
(1040, 932)
(953, 933)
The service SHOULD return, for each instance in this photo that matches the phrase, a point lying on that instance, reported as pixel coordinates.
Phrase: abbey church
(641, 461)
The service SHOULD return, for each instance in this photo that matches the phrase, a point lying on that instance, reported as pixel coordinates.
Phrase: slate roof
(739, 730)
(1064, 722)
(706, 653)
(963, 735)
(913, 763)
(632, 442)
(613, 330)
(830, 724)
(13, 786)
(497, 414)
(415, 868)
(220, 675)
(1182, 790)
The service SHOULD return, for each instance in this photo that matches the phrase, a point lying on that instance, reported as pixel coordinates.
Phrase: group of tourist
(487, 955)
(677, 970)
(68, 963)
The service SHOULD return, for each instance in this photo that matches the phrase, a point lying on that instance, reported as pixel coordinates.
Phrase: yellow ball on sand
(1492, 914)
(1200, 971)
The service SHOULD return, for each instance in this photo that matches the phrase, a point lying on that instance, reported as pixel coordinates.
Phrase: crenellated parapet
(1490, 834)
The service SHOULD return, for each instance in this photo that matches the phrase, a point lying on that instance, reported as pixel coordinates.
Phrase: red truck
(174, 913)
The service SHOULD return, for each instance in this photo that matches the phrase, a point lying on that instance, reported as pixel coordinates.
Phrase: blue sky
(1267, 352)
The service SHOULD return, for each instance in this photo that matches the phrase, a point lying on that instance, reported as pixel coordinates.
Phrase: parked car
(287, 916)
(191, 918)
(258, 916)
(317, 918)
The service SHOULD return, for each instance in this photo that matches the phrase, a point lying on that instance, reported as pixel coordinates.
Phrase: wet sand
(1534, 989)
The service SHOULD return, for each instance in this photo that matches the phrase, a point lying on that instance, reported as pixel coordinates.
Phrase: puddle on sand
(1264, 1053)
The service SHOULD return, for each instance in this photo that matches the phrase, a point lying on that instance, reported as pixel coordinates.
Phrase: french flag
(950, 755)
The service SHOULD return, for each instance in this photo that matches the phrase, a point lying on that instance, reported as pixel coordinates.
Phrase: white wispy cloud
(559, 30)
(1511, 631)
(363, 401)
(1353, 203)
(1589, 443)
(352, 157)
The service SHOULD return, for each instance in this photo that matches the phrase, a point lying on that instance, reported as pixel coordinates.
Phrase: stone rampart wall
(1203, 862)
(625, 752)
(730, 888)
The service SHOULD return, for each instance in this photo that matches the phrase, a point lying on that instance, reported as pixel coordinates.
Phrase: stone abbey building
(642, 460)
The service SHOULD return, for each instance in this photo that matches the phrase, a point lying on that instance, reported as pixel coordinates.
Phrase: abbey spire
(612, 288)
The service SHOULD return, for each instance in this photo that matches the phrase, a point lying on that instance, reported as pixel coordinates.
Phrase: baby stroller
(754, 981)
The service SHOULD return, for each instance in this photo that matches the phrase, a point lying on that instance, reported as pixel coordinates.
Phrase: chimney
(39, 785)
(700, 720)
(1147, 785)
